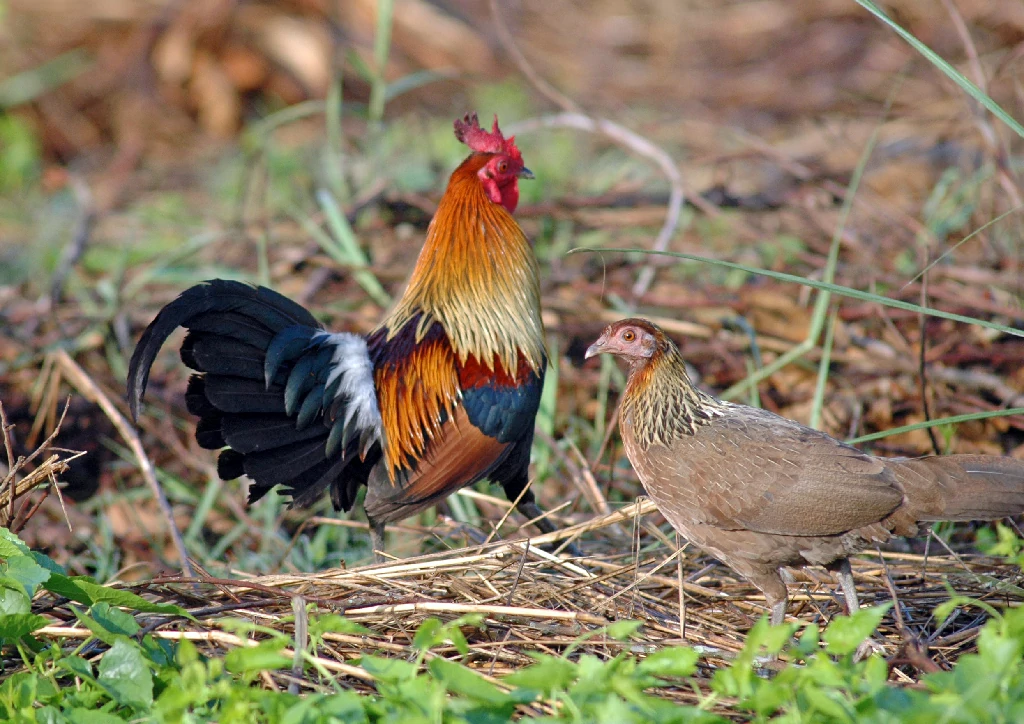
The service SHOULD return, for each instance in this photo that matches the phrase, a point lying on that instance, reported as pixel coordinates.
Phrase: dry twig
(81, 380)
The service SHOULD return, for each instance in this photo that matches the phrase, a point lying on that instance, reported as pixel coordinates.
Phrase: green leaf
(346, 250)
(125, 676)
(49, 715)
(677, 662)
(48, 563)
(345, 706)
(876, 671)
(333, 623)
(12, 598)
(454, 634)
(19, 152)
(114, 619)
(945, 609)
(19, 690)
(808, 641)
(14, 626)
(432, 633)
(427, 635)
(27, 572)
(266, 656)
(935, 59)
(549, 674)
(77, 666)
(936, 422)
(92, 716)
(11, 545)
(622, 630)
(772, 638)
(462, 680)
(830, 703)
(846, 633)
(26, 86)
(390, 670)
(85, 590)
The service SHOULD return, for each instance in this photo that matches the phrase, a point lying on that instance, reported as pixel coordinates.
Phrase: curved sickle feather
(266, 312)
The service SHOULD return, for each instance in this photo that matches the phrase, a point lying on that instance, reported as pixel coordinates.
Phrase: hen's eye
(629, 335)
(502, 166)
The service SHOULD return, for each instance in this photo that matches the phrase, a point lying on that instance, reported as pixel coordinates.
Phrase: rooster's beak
(592, 350)
(525, 173)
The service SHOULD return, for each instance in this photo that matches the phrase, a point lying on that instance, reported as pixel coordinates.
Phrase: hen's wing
(753, 470)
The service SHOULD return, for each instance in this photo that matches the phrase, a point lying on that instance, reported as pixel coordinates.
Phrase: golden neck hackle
(477, 276)
(661, 404)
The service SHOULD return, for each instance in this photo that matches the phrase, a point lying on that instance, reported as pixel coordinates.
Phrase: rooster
(443, 393)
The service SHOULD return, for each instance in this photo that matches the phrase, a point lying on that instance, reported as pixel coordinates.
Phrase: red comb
(468, 130)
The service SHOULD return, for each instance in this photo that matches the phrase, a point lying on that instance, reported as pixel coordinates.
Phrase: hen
(760, 492)
(443, 393)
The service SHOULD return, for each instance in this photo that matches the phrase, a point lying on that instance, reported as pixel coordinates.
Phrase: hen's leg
(775, 594)
(844, 573)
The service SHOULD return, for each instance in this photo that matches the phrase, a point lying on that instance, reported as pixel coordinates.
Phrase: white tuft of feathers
(351, 362)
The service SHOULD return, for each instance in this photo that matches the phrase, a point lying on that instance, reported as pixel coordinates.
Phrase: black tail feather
(307, 488)
(231, 465)
(222, 356)
(232, 300)
(242, 396)
(233, 325)
(260, 394)
(249, 434)
(209, 434)
(195, 398)
(282, 465)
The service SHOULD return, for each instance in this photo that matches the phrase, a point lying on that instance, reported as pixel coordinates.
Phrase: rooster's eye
(629, 335)
(502, 166)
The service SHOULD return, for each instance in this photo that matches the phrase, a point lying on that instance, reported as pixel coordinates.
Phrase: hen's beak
(594, 349)
(525, 173)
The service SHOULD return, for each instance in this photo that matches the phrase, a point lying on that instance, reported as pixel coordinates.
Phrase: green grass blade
(28, 85)
(834, 288)
(952, 73)
(414, 81)
(255, 132)
(381, 49)
(936, 423)
(335, 161)
(963, 241)
(826, 360)
(351, 252)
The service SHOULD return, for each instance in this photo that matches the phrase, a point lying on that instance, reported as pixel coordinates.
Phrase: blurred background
(145, 146)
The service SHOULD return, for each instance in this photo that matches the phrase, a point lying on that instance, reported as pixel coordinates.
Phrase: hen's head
(635, 340)
(503, 168)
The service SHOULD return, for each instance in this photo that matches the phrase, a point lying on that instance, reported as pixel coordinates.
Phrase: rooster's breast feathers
(440, 413)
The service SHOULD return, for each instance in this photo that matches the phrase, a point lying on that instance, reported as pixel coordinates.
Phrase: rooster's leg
(845, 575)
(377, 540)
(532, 511)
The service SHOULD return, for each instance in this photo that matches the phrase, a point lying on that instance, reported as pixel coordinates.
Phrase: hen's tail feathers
(294, 405)
(962, 487)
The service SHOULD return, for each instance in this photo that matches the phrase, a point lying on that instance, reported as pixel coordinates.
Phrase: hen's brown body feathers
(761, 492)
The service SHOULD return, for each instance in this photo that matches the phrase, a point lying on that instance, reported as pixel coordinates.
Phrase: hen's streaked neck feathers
(660, 404)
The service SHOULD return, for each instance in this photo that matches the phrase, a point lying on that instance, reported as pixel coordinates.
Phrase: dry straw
(532, 602)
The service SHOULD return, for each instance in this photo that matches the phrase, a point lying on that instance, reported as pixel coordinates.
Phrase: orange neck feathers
(477, 276)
